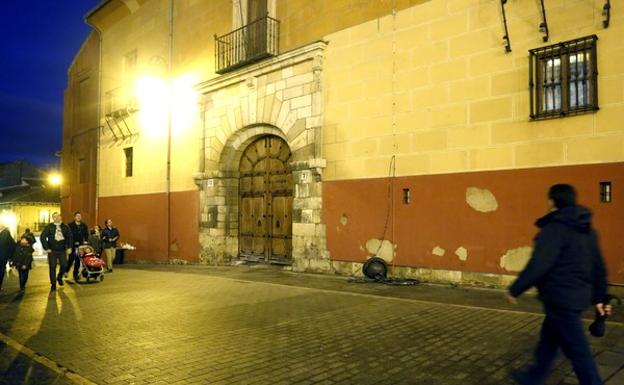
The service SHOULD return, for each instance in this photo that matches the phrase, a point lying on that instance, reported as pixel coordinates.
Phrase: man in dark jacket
(7, 247)
(568, 270)
(110, 236)
(80, 235)
(56, 239)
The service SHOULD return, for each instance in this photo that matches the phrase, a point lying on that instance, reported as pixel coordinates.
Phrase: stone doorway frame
(281, 97)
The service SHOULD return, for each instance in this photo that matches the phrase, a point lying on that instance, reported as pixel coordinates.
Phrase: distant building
(80, 133)
(319, 133)
(26, 201)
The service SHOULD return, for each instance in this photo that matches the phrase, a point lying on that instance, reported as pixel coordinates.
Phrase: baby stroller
(91, 267)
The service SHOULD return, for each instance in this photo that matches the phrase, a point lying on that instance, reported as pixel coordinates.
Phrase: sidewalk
(149, 324)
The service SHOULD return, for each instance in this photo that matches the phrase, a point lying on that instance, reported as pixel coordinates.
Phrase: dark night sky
(39, 41)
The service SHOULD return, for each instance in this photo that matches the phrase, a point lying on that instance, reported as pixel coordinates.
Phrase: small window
(563, 79)
(83, 171)
(407, 196)
(130, 65)
(128, 152)
(605, 192)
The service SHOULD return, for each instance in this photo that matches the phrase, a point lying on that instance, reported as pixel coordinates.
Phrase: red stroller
(91, 267)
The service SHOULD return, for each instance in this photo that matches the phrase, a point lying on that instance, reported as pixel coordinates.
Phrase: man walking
(56, 239)
(568, 270)
(110, 235)
(7, 247)
(80, 236)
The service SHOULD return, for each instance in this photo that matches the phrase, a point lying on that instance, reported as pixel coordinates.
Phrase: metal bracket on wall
(116, 122)
(543, 27)
(606, 12)
(110, 128)
(506, 39)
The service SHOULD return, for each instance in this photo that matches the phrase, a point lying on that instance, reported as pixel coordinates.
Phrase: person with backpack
(568, 270)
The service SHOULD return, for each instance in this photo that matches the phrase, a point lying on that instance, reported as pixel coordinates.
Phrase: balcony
(251, 43)
(118, 102)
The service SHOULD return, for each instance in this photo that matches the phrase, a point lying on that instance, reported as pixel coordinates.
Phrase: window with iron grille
(563, 79)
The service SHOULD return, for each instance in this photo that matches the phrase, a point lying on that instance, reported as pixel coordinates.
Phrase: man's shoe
(53, 288)
(60, 282)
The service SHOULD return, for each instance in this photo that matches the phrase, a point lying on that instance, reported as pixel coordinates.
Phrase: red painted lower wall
(438, 215)
(142, 222)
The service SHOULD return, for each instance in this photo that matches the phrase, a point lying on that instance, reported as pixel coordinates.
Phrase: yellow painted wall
(305, 21)
(433, 86)
(195, 24)
(147, 31)
(28, 215)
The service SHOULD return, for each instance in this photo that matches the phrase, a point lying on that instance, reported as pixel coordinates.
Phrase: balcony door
(257, 32)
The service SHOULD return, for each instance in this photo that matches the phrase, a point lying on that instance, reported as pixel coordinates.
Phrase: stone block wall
(280, 97)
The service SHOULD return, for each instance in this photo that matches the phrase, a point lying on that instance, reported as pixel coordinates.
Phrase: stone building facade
(280, 97)
(402, 129)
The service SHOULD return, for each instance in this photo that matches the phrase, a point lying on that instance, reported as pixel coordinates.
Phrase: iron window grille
(563, 79)
(251, 43)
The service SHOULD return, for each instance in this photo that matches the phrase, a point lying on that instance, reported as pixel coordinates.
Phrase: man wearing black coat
(568, 270)
(7, 247)
(80, 235)
(56, 240)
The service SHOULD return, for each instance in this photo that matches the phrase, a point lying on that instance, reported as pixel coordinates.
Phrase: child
(22, 260)
(95, 241)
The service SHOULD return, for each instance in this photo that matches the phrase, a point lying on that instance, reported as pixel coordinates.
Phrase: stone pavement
(201, 325)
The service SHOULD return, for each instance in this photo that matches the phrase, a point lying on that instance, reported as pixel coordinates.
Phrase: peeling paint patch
(516, 259)
(384, 250)
(438, 251)
(344, 220)
(481, 200)
(462, 253)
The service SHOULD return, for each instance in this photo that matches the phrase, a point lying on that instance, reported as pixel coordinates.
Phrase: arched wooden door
(266, 196)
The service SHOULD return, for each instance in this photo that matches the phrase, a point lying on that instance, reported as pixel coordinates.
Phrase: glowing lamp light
(153, 100)
(156, 101)
(9, 219)
(55, 179)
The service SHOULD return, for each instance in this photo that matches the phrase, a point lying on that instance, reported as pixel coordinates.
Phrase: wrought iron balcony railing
(249, 44)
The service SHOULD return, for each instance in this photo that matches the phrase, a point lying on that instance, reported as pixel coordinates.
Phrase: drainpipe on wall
(99, 116)
(169, 122)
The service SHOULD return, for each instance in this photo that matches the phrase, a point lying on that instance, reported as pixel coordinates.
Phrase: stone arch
(238, 142)
(280, 97)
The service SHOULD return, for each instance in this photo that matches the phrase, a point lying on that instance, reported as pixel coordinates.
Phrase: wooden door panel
(259, 226)
(246, 227)
(266, 188)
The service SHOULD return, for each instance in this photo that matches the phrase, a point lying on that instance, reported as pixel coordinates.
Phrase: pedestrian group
(61, 243)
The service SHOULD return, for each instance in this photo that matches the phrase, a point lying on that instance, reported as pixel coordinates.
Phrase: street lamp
(55, 179)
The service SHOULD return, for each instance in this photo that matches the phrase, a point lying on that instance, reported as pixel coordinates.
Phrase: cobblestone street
(199, 325)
